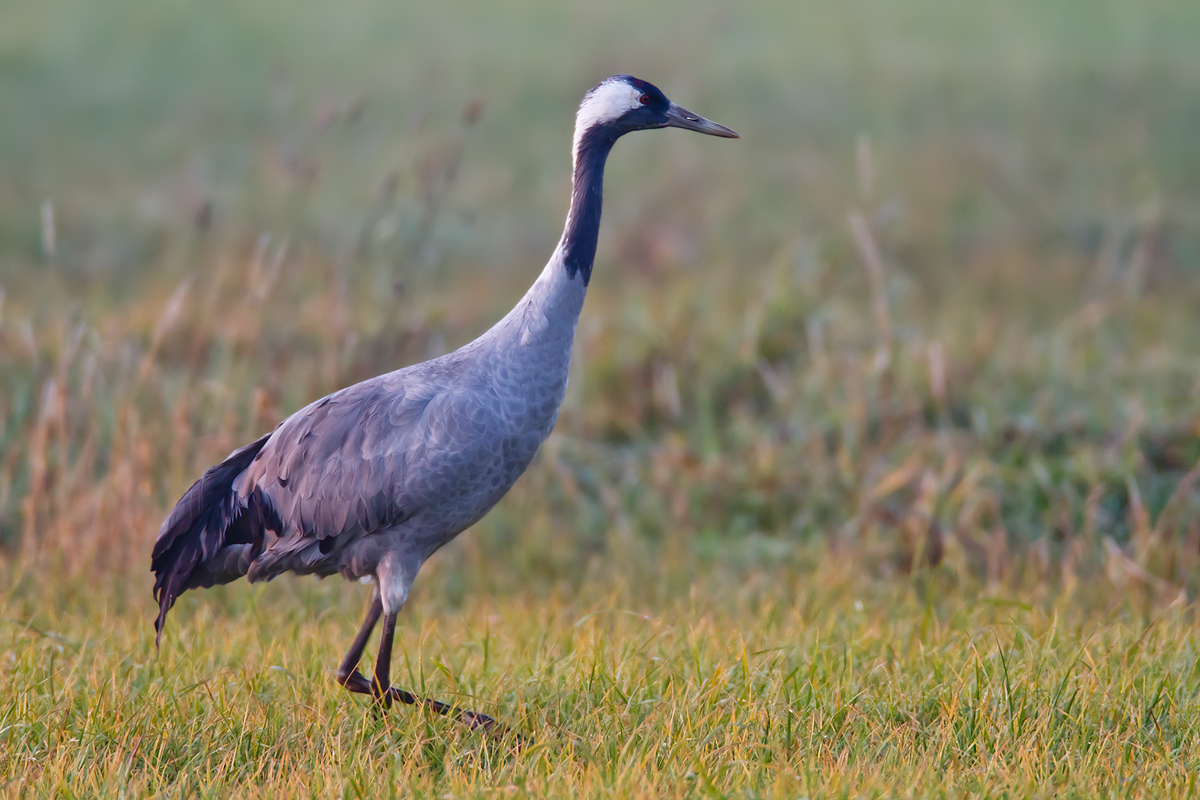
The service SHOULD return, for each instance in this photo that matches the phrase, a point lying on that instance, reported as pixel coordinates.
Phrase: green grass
(808, 526)
(780, 687)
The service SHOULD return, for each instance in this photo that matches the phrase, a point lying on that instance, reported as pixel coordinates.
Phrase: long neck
(578, 244)
(548, 312)
(533, 342)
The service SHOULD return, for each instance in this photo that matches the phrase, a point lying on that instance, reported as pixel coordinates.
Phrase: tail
(212, 535)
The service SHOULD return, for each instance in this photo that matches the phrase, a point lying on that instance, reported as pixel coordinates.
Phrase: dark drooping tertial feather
(209, 519)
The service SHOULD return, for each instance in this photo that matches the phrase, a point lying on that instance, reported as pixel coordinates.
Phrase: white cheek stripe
(607, 102)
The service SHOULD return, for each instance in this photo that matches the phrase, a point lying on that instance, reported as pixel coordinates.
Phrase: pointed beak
(678, 117)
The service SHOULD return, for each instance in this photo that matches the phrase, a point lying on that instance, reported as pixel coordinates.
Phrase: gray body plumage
(387, 471)
(404, 462)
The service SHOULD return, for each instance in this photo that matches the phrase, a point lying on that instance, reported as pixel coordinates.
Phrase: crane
(373, 479)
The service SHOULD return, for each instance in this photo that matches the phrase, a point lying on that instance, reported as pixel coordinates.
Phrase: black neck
(587, 196)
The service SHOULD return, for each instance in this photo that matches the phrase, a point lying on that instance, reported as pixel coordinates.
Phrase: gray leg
(381, 688)
(348, 674)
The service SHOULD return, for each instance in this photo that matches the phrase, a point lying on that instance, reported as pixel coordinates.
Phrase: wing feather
(367, 458)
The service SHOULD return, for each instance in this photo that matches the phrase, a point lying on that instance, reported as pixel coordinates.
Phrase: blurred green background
(1027, 122)
(211, 215)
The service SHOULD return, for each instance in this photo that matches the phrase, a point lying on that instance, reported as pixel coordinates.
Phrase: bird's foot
(359, 684)
(474, 720)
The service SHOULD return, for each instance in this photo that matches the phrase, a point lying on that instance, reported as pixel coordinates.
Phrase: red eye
(644, 99)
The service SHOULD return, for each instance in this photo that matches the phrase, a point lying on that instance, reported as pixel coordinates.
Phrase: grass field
(877, 474)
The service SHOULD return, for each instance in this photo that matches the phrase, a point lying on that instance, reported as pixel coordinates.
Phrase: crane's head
(623, 103)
